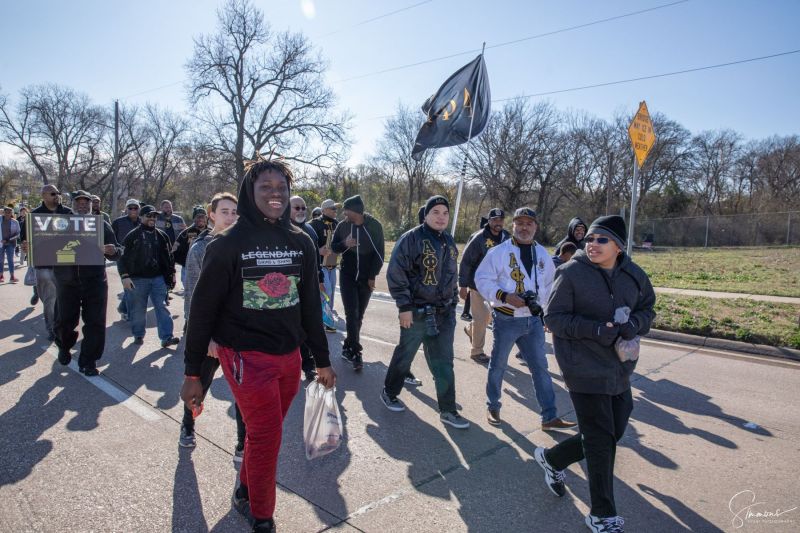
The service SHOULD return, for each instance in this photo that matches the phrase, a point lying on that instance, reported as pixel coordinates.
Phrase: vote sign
(64, 240)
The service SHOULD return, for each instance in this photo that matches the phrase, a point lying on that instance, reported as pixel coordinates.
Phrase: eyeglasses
(132, 208)
(299, 208)
(53, 193)
(598, 240)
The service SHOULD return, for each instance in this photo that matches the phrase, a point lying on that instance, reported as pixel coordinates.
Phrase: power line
(373, 19)
(515, 41)
(640, 78)
(662, 75)
(152, 90)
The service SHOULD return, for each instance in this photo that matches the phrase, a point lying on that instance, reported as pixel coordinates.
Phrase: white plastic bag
(628, 350)
(30, 276)
(322, 424)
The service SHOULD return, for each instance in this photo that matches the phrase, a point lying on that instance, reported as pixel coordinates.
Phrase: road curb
(724, 344)
(697, 340)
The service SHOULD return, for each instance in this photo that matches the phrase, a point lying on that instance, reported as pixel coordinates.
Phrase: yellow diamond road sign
(641, 133)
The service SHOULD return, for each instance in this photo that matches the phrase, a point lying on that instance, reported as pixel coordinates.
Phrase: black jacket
(574, 223)
(479, 243)
(124, 225)
(258, 290)
(184, 242)
(90, 272)
(138, 262)
(583, 296)
(365, 260)
(325, 227)
(309, 230)
(423, 269)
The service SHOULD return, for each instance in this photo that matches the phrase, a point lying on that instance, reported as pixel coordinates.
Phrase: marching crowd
(259, 281)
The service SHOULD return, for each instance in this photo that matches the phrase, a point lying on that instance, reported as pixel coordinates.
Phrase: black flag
(450, 110)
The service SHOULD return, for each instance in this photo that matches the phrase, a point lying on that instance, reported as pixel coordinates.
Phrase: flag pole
(464, 166)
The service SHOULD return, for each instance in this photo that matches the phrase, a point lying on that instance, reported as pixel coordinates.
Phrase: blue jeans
(7, 252)
(156, 289)
(528, 334)
(329, 277)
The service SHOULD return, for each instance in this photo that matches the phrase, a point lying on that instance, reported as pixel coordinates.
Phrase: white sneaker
(612, 524)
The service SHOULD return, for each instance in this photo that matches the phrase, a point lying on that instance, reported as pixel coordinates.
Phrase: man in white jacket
(515, 278)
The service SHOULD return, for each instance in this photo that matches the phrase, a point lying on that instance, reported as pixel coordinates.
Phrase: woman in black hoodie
(257, 299)
(583, 312)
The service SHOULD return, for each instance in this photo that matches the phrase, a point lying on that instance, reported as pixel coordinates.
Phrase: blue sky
(113, 49)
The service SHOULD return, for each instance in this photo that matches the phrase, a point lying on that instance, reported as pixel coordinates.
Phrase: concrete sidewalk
(729, 295)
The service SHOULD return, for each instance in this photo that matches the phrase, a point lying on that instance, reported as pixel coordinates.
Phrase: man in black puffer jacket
(582, 314)
(423, 280)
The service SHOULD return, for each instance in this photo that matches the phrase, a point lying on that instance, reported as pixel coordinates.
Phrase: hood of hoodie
(249, 211)
(574, 223)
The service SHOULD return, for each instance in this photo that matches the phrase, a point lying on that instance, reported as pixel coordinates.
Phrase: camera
(531, 300)
(431, 329)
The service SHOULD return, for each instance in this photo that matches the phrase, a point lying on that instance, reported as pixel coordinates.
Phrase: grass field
(740, 319)
(774, 271)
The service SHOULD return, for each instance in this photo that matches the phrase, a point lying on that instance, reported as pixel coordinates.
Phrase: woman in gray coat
(586, 313)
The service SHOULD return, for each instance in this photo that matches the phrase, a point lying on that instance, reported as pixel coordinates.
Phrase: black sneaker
(64, 357)
(34, 299)
(138, 340)
(264, 526)
(89, 371)
(347, 355)
(554, 478)
(172, 341)
(454, 419)
(466, 317)
(241, 501)
(612, 524)
(358, 362)
(392, 404)
(412, 380)
(187, 439)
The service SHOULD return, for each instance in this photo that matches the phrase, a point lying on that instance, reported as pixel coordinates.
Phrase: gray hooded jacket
(582, 296)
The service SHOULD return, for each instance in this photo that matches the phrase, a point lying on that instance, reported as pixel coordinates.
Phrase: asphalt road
(712, 435)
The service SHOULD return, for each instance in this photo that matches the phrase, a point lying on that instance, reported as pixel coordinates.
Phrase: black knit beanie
(433, 201)
(612, 226)
(354, 204)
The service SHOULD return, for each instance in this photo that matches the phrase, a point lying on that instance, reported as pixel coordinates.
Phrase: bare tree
(519, 158)
(262, 91)
(158, 147)
(394, 157)
(59, 130)
(714, 157)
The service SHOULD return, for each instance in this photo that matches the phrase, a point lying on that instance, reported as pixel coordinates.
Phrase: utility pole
(608, 183)
(114, 211)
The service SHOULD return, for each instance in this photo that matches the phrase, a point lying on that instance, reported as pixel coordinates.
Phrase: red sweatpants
(264, 386)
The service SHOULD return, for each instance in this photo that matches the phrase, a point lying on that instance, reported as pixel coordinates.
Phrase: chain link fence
(755, 229)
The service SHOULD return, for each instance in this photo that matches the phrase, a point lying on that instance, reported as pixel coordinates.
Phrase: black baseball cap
(525, 212)
(496, 213)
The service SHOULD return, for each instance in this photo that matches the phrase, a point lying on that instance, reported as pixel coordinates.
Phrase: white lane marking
(134, 404)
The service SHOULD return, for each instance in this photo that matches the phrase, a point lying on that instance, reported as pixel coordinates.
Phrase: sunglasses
(598, 240)
(53, 193)
(299, 208)
(133, 208)
(151, 215)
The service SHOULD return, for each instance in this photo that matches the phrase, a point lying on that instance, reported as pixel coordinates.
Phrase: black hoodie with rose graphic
(258, 290)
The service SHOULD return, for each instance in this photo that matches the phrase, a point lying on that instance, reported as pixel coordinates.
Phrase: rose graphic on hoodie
(274, 290)
(274, 284)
